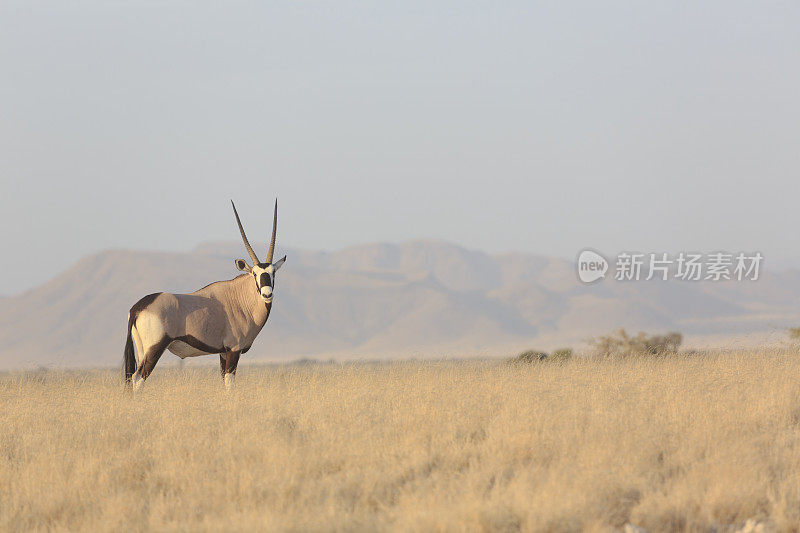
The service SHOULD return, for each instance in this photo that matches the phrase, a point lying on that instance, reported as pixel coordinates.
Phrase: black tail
(129, 360)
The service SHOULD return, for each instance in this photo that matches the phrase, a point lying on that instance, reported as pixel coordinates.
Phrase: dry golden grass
(667, 444)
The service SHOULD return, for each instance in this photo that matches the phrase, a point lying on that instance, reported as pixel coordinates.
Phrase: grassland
(675, 443)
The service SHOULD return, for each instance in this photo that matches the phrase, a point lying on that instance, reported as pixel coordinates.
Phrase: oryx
(224, 317)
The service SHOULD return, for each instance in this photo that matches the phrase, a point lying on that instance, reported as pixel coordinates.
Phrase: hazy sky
(546, 128)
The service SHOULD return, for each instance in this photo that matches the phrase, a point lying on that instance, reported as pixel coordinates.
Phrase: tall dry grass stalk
(667, 444)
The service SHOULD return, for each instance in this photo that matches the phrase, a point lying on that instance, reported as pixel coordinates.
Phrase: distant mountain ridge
(418, 298)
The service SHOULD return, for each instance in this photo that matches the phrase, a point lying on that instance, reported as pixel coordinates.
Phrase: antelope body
(223, 318)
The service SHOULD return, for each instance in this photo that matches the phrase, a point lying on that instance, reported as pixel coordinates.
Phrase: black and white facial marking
(263, 275)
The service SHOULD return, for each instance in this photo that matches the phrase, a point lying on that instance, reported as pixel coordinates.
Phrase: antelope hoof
(137, 381)
(229, 379)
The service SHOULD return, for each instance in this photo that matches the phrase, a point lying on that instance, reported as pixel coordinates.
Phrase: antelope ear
(242, 265)
(279, 263)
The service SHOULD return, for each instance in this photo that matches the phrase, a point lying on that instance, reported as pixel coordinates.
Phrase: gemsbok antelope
(224, 317)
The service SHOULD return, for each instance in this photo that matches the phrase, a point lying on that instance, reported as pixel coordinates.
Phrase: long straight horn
(244, 237)
(274, 228)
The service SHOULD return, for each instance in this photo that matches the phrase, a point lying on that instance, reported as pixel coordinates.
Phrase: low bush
(535, 356)
(620, 344)
(562, 354)
(528, 356)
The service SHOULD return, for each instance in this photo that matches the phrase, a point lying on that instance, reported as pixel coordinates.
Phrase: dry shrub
(535, 356)
(529, 356)
(561, 355)
(620, 344)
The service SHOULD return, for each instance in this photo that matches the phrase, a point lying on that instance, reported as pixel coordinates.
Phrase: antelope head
(263, 273)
